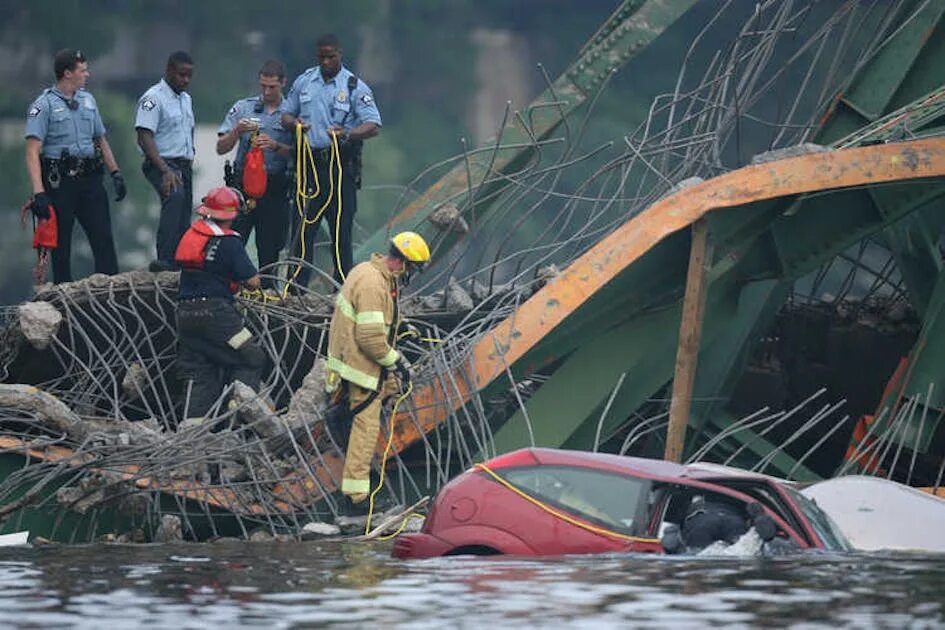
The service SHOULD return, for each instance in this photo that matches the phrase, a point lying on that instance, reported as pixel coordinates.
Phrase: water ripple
(289, 585)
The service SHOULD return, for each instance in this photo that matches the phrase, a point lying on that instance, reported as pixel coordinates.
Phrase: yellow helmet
(412, 247)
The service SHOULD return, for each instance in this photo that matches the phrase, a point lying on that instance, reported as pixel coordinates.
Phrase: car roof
(657, 467)
(636, 465)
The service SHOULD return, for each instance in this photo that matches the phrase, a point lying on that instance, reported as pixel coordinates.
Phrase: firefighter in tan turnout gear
(362, 359)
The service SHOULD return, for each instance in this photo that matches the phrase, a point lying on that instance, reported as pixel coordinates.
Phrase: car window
(610, 499)
(767, 496)
(826, 529)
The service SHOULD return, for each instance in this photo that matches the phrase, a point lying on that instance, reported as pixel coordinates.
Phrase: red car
(542, 501)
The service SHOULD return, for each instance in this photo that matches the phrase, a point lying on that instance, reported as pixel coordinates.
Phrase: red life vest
(192, 249)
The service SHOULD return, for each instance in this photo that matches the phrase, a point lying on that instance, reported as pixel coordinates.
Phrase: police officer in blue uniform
(215, 347)
(65, 151)
(330, 102)
(257, 121)
(165, 124)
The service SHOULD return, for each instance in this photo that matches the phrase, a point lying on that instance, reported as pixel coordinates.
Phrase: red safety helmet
(221, 203)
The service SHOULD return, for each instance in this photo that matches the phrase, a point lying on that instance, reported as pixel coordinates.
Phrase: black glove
(40, 205)
(403, 372)
(120, 189)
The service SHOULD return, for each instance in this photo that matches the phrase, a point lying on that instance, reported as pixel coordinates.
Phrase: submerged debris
(170, 530)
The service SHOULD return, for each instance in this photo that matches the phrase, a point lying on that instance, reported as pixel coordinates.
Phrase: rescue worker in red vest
(361, 353)
(215, 347)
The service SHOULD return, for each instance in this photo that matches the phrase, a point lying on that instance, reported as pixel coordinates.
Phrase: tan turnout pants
(356, 478)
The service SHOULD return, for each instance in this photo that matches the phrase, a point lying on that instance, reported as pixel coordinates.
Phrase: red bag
(254, 174)
(46, 233)
(45, 239)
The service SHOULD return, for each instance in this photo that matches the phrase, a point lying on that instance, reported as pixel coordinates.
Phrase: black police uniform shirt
(226, 260)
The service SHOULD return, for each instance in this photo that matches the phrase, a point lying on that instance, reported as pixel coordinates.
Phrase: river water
(284, 585)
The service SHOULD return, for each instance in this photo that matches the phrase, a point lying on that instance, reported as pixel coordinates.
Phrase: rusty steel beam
(690, 337)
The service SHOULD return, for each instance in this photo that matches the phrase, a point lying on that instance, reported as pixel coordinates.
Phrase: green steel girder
(806, 231)
(926, 367)
(642, 348)
(565, 411)
(718, 373)
(928, 363)
(907, 66)
(914, 119)
(629, 29)
(655, 278)
(917, 256)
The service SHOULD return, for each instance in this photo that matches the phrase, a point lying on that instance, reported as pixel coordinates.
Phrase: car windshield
(826, 529)
(610, 499)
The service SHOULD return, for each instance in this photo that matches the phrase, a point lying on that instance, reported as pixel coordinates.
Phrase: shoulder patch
(366, 99)
(147, 104)
(34, 111)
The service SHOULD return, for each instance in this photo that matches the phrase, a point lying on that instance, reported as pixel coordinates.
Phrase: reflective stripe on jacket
(359, 341)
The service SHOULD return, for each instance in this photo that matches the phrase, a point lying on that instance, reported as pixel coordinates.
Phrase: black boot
(352, 509)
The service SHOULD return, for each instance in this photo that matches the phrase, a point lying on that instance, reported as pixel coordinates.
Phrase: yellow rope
(390, 440)
(564, 517)
(411, 333)
(402, 526)
(305, 163)
(336, 159)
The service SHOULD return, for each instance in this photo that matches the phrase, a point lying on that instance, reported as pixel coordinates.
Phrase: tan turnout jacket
(358, 340)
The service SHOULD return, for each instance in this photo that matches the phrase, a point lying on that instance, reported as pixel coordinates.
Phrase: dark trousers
(82, 198)
(270, 218)
(205, 352)
(176, 208)
(340, 230)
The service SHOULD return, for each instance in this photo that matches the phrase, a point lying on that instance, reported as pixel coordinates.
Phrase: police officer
(165, 125)
(65, 148)
(257, 121)
(332, 103)
(215, 347)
